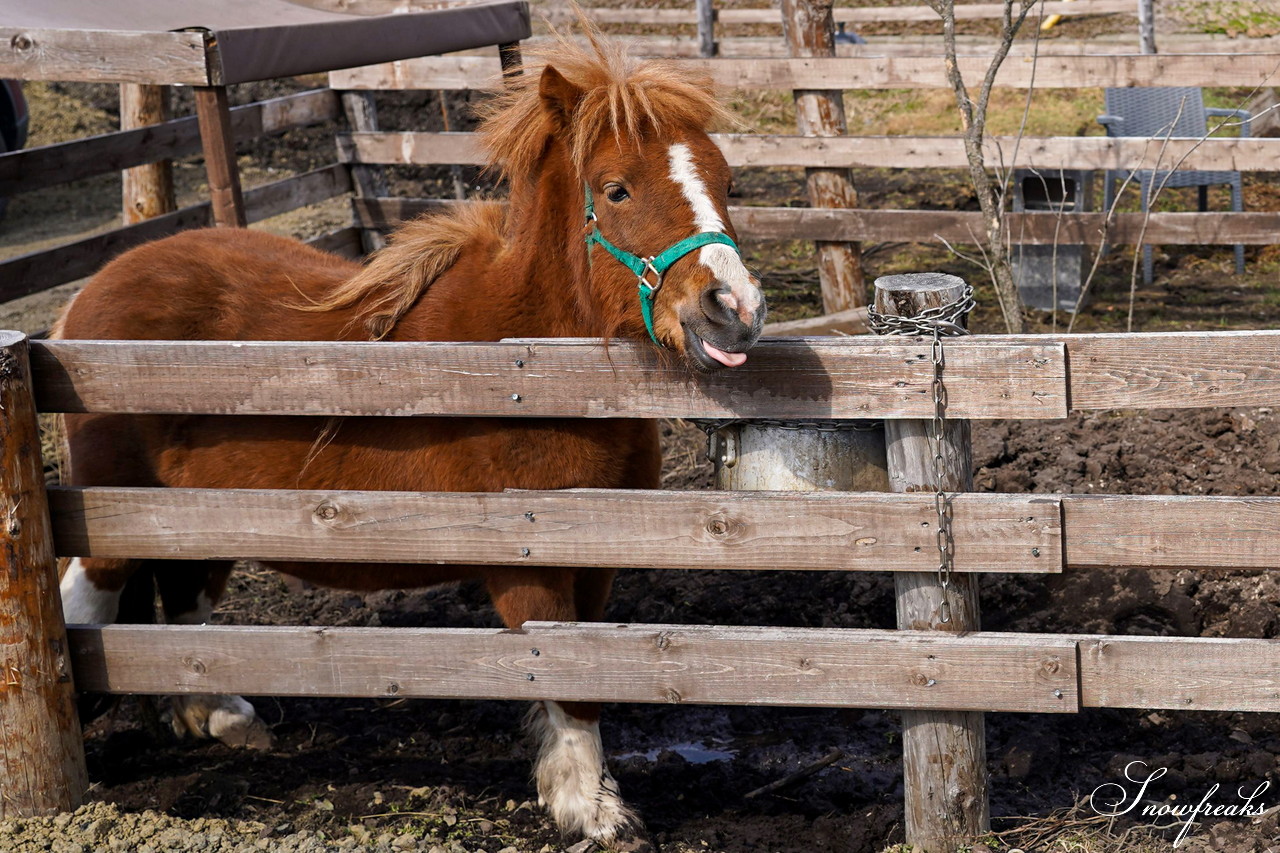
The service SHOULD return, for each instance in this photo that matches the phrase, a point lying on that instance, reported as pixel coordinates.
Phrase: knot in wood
(662, 641)
(326, 511)
(919, 679)
(22, 41)
(195, 665)
(393, 688)
(672, 696)
(1050, 666)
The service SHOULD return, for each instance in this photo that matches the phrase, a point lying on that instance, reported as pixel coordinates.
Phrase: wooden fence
(1047, 154)
(38, 168)
(798, 378)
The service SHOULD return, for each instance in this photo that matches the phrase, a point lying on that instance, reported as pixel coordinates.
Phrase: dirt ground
(453, 776)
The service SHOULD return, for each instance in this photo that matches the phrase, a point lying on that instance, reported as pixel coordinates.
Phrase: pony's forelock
(620, 96)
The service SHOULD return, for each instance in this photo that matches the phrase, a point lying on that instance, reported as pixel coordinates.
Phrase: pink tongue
(728, 359)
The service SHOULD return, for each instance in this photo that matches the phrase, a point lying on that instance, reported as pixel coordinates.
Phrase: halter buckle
(644, 275)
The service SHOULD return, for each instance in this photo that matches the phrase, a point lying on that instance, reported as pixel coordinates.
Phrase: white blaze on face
(744, 296)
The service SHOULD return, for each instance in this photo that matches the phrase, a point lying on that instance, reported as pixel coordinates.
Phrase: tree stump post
(944, 752)
(147, 190)
(810, 31)
(42, 766)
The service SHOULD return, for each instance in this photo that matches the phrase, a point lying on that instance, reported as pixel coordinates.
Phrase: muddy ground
(452, 776)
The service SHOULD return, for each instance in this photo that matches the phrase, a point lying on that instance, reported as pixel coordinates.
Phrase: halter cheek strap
(657, 264)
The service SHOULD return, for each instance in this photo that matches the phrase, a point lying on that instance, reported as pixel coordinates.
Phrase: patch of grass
(1252, 19)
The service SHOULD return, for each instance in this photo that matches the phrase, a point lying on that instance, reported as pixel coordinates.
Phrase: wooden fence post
(944, 752)
(810, 31)
(147, 190)
(42, 767)
(369, 181)
(707, 46)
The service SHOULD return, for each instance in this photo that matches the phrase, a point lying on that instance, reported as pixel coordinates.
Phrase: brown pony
(609, 164)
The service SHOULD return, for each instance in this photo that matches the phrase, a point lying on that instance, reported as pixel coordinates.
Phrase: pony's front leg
(570, 772)
(188, 593)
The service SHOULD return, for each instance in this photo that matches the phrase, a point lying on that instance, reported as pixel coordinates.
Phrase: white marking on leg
(744, 296)
(573, 781)
(83, 603)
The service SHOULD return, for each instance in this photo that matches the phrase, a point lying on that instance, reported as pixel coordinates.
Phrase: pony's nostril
(719, 304)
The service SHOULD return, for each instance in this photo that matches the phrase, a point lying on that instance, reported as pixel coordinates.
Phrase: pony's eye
(616, 193)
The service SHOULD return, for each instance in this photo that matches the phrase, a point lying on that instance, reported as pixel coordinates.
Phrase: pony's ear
(559, 96)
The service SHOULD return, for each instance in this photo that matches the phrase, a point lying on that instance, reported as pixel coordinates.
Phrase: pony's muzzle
(725, 329)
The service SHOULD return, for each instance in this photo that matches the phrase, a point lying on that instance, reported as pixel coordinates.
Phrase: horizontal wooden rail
(670, 530)
(931, 226)
(104, 56)
(787, 378)
(1176, 673)
(580, 527)
(36, 168)
(1044, 673)
(1050, 154)
(873, 14)
(345, 242)
(667, 664)
(871, 72)
(1028, 377)
(41, 270)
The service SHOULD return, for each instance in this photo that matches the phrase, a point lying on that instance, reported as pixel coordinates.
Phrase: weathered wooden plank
(850, 322)
(850, 531)
(870, 72)
(791, 378)
(1049, 154)
(36, 168)
(1175, 370)
(1180, 673)
(635, 663)
(871, 14)
(95, 56)
(930, 226)
(1172, 531)
(41, 270)
(344, 242)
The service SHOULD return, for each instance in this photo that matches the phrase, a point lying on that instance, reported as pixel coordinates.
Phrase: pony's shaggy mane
(620, 96)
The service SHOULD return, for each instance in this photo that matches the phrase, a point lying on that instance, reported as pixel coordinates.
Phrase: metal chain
(944, 320)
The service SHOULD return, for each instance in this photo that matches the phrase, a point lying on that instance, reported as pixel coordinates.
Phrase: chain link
(935, 323)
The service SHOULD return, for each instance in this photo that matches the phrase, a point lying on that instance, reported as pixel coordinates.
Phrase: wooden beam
(797, 378)
(219, 147)
(41, 270)
(1180, 673)
(932, 226)
(344, 242)
(872, 72)
(147, 189)
(851, 322)
(48, 165)
(96, 56)
(1171, 532)
(674, 530)
(1175, 370)
(872, 14)
(665, 664)
(1049, 154)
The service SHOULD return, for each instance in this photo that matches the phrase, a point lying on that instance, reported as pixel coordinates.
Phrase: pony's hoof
(229, 719)
(636, 842)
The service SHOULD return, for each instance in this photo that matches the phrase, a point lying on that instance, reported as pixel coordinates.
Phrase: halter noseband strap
(657, 264)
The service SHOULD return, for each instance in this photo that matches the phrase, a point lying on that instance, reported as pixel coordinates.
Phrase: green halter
(657, 264)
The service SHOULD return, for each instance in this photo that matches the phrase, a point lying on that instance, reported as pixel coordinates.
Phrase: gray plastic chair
(1168, 111)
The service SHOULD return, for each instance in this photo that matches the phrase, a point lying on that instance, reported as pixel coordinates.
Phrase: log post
(147, 190)
(707, 46)
(42, 767)
(810, 31)
(944, 752)
(214, 115)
